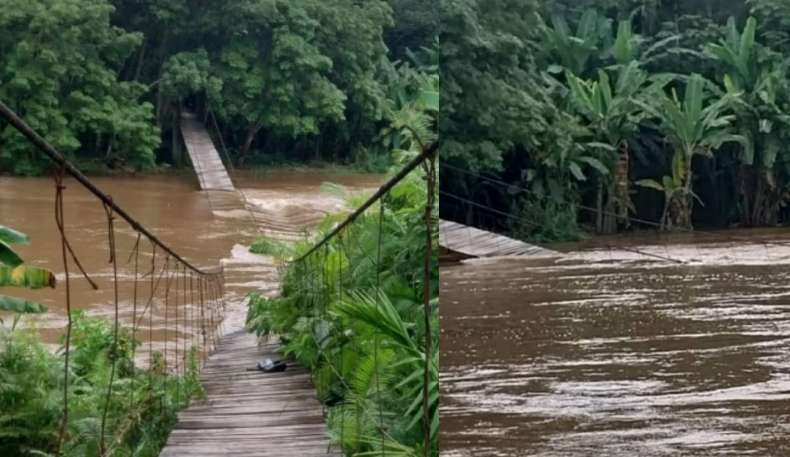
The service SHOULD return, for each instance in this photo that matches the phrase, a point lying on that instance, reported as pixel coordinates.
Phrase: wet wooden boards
(209, 167)
(473, 242)
(249, 413)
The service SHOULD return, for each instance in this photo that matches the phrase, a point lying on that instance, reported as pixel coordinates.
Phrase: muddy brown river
(208, 229)
(605, 352)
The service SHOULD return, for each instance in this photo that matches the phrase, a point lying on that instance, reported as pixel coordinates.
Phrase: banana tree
(693, 127)
(672, 188)
(576, 50)
(593, 45)
(614, 113)
(754, 74)
(13, 273)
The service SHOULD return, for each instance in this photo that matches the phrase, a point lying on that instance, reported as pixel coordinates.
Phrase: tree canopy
(106, 80)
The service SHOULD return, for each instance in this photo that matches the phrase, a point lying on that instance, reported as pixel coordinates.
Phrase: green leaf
(604, 146)
(576, 170)
(18, 305)
(650, 184)
(429, 99)
(595, 163)
(747, 42)
(8, 256)
(11, 236)
(623, 48)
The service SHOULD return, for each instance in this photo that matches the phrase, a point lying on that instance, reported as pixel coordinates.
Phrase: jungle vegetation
(105, 81)
(580, 116)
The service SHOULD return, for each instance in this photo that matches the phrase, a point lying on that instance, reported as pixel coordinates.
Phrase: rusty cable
(114, 353)
(430, 171)
(59, 221)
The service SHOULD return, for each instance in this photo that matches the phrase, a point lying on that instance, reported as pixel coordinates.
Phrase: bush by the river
(142, 407)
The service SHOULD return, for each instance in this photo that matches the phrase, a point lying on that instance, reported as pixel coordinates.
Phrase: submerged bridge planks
(249, 413)
(209, 167)
(473, 242)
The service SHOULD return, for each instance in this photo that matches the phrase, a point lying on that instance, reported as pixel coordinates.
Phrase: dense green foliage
(353, 315)
(580, 115)
(107, 80)
(142, 408)
(58, 69)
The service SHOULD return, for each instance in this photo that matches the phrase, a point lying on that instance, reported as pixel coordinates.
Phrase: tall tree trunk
(178, 158)
(609, 214)
(159, 95)
(623, 185)
(108, 154)
(665, 212)
(599, 208)
(140, 61)
(251, 133)
(745, 194)
(687, 199)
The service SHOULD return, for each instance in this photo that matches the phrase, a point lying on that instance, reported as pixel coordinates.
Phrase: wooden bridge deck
(209, 167)
(249, 413)
(473, 242)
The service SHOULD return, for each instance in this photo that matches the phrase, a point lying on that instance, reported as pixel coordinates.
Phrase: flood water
(207, 229)
(606, 352)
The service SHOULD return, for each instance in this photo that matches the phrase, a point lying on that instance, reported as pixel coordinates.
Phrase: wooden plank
(249, 413)
(473, 242)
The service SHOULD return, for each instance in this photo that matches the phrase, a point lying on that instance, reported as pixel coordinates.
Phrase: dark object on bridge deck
(271, 366)
(245, 416)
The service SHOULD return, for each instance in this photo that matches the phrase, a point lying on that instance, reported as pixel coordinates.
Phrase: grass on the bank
(271, 247)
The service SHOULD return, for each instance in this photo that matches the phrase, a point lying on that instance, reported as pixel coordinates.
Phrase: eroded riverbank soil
(611, 353)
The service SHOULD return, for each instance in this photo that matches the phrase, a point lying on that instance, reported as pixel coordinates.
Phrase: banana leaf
(26, 276)
(8, 256)
(11, 236)
(430, 100)
(19, 305)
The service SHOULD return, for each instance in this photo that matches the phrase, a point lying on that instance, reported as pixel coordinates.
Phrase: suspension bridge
(205, 158)
(178, 314)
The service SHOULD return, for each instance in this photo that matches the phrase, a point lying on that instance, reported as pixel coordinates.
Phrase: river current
(605, 351)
